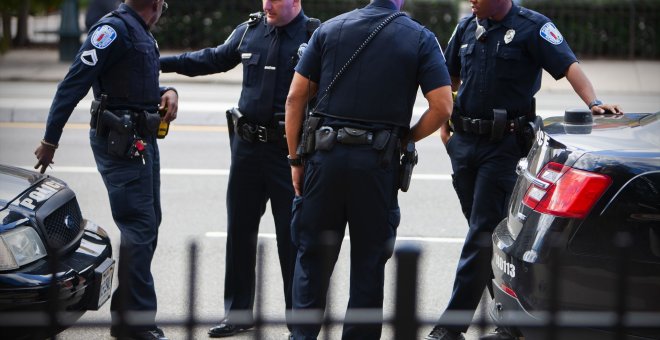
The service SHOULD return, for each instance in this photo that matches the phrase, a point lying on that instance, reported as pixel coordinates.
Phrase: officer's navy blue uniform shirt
(503, 71)
(119, 58)
(248, 45)
(381, 84)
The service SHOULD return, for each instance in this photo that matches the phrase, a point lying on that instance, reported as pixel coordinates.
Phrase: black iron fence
(622, 29)
(404, 322)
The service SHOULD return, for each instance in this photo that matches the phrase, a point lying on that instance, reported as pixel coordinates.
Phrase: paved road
(195, 160)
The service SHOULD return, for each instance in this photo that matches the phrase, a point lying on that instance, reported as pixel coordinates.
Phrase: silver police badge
(509, 36)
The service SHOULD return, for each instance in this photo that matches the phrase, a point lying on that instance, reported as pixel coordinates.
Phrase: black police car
(40, 221)
(589, 187)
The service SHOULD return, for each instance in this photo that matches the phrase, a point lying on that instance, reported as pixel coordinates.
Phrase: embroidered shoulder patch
(550, 33)
(103, 36)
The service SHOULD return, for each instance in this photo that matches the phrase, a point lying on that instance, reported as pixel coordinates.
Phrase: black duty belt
(327, 136)
(251, 132)
(484, 126)
(142, 123)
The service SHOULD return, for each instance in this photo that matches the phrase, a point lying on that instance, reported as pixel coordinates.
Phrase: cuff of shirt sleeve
(52, 137)
(165, 89)
(167, 64)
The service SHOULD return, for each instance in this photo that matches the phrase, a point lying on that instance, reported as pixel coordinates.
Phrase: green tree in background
(21, 9)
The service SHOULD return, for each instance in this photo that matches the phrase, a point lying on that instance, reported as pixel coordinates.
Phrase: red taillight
(508, 290)
(566, 192)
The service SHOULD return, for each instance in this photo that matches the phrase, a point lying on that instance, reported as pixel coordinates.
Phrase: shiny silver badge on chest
(509, 36)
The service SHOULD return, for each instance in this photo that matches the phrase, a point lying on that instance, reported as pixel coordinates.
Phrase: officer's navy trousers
(344, 185)
(134, 193)
(259, 172)
(484, 177)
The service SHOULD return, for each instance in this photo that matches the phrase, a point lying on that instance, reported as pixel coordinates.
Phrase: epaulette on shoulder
(113, 18)
(530, 15)
(464, 21)
(255, 18)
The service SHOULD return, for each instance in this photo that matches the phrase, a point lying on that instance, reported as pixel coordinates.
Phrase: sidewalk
(43, 65)
(607, 76)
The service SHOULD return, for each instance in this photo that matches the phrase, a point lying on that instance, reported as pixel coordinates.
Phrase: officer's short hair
(140, 4)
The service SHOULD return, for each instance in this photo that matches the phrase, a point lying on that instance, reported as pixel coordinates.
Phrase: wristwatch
(294, 161)
(595, 102)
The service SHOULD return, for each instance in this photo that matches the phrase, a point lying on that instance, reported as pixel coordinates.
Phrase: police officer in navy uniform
(120, 59)
(268, 47)
(352, 176)
(495, 58)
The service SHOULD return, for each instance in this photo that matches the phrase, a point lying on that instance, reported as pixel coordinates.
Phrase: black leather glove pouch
(148, 124)
(325, 138)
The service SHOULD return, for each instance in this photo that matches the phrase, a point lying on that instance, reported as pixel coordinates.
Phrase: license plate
(105, 289)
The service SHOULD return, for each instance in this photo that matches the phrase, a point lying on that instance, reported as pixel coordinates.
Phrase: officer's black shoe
(227, 329)
(499, 334)
(441, 333)
(152, 334)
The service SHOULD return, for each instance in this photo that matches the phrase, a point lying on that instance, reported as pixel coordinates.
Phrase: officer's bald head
(139, 4)
(398, 3)
(149, 10)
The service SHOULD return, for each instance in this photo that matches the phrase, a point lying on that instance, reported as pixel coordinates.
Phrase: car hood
(15, 182)
(630, 133)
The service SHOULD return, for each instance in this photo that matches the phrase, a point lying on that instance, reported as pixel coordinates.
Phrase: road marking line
(201, 172)
(458, 240)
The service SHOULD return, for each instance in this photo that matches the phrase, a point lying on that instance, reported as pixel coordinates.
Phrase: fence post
(623, 242)
(405, 319)
(192, 284)
(53, 294)
(555, 293)
(258, 321)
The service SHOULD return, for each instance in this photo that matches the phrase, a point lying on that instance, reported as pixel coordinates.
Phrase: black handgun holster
(233, 115)
(119, 130)
(308, 144)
